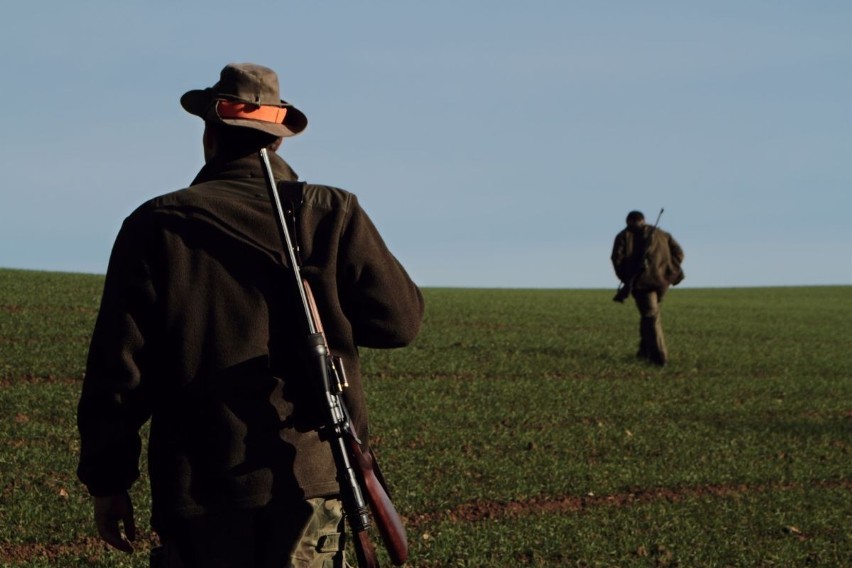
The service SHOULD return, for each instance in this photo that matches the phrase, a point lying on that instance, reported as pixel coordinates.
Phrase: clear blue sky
(494, 143)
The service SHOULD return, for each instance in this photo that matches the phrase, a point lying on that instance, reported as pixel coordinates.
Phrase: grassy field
(519, 429)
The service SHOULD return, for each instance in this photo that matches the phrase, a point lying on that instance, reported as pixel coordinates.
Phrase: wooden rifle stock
(358, 471)
(364, 551)
(384, 514)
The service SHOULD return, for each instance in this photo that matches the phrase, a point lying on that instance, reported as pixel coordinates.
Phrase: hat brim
(200, 102)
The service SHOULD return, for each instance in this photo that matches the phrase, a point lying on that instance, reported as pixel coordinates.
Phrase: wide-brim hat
(246, 95)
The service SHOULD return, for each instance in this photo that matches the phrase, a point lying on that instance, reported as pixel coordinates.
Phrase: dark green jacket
(201, 330)
(657, 270)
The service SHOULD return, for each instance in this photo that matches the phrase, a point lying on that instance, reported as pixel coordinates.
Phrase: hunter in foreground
(202, 330)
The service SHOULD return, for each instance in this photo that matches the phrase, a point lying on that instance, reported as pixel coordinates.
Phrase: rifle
(626, 288)
(357, 469)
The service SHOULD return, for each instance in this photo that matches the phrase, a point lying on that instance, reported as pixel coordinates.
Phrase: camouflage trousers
(309, 534)
(652, 342)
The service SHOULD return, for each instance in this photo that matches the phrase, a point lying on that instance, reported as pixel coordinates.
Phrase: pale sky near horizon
(494, 143)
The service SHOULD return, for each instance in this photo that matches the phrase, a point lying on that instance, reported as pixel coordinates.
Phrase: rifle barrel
(356, 468)
(285, 234)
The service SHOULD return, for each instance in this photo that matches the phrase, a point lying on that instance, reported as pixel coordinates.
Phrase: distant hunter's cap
(246, 95)
(635, 216)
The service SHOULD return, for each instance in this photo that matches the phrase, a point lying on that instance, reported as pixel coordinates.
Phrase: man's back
(201, 330)
(201, 298)
(651, 257)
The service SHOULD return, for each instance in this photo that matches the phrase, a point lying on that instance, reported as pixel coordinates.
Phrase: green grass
(519, 429)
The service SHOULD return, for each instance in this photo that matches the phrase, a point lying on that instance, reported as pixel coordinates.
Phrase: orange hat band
(262, 113)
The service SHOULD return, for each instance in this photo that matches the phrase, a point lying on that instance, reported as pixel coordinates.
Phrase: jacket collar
(247, 166)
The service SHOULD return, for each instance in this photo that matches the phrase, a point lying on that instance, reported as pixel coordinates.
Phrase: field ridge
(475, 511)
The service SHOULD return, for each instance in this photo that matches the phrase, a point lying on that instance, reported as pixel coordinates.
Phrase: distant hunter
(647, 260)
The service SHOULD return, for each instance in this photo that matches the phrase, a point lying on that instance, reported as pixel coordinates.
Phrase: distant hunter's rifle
(357, 470)
(625, 288)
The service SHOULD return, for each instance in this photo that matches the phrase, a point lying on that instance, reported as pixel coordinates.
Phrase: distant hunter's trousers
(652, 343)
(308, 534)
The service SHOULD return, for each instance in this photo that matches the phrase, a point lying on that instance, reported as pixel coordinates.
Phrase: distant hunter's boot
(653, 340)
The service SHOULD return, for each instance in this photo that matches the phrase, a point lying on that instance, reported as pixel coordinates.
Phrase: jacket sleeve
(675, 274)
(113, 404)
(618, 256)
(381, 301)
(676, 251)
